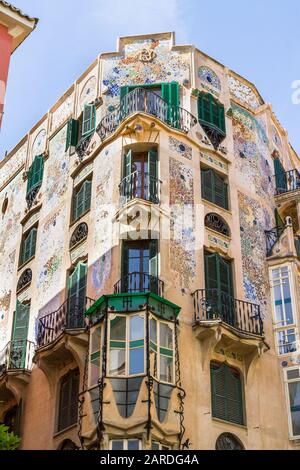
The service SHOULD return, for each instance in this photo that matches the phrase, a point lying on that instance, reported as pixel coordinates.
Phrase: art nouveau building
(149, 293)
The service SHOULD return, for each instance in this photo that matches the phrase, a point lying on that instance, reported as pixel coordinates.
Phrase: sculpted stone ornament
(147, 55)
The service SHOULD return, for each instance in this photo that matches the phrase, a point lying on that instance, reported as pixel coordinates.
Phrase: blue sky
(258, 39)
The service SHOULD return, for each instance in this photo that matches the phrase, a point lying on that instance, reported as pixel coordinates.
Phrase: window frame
(224, 179)
(25, 236)
(125, 441)
(287, 381)
(76, 189)
(92, 385)
(70, 373)
(159, 347)
(127, 341)
(277, 325)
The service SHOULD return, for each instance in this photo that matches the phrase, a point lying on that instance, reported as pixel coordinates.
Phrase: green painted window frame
(72, 133)
(35, 174)
(88, 120)
(28, 246)
(211, 111)
(161, 352)
(214, 188)
(227, 397)
(81, 203)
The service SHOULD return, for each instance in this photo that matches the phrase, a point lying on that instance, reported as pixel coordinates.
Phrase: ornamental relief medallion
(146, 55)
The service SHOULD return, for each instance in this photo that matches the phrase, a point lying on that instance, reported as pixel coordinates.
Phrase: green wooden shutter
(218, 276)
(211, 111)
(35, 174)
(279, 222)
(207, 184)
(19, 336)
(124, 90)
(88, 120)
(220, 191)
(170, 94)
(76, 296)
(87, 195)
(68, 400)
(280, 176)
(28, 246)
(72, 133)
(82, 200)
(153, 195)
(211, 271)
(226, 394)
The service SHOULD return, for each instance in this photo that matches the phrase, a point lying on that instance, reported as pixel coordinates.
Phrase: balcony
(214, 305)
(139, 283)
(140, 185)
(287, 181)
(67, 317)
(17, 355)
(145, 101)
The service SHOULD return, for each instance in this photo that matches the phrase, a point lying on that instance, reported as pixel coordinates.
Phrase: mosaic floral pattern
(39, 143)
(243, 93)
(254, 220)
(213, 161)
(57, 169)
(166, 66)
(251, 149)
(208, 75)
(180, 148)
(88, 93)
(62, 112)
(13, 164)
(182, 225)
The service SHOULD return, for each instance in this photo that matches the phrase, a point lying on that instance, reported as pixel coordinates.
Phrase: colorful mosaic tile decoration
(243, 93)
(208, 75)
(179, 147)
(213, 161)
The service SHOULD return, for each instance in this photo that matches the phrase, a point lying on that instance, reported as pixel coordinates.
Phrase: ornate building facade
(149, 260)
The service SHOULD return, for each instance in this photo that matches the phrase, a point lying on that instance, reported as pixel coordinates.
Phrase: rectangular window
(95, 356)
(81, 200)
(88, 120)
(155, 445)
(68, 400)
(214, 188)
(286, 332)
(28, 246)
(77, 296)
(161, 350)
(292, 379)
(125, 444)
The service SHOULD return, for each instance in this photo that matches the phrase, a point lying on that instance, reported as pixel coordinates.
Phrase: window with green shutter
(28, 246)
(280, 176)
(77, 296)
(88, 120)
(81, 200)
(211, 116)
(35, 178)
(72, 133)
(68, 400)
(19, 336)
(226, 393)
(214, 188)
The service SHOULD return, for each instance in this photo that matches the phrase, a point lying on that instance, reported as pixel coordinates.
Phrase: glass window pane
(293, 374)
(133, 444)
(136, 328)
(286, 341)
(94, 371)
(166, 336)
(96, 337)
(117, 362)
(154, 445)
(166, 368)
(294, 393)
(118, 329)
(153, 330)
(117, 445)
(136, 361)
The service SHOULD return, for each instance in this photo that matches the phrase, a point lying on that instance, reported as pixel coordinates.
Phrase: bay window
(95, 356)
(162, 350)
(292, 383)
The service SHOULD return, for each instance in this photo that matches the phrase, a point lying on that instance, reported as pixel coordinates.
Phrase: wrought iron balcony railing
(287, 181)
(17, 355)
(148, 102)
(140, 185)
(68, 316)
(272, 237)
(139, 282)
(213, 304)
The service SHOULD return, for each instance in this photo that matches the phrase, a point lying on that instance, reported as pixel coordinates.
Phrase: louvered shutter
(218, 387)
(88, 120)
(170, 94)
(152, 183)
(220, 192)
(207, 184)
(19, 336)
(82, 200)
(124, 90)
(204, 108)
(226, 301)
(280, 176)
(76, 296)
(35, 174)
(234, 397)
(68, 400)
(87, 195)
(72, 133)
(28, 246)
(211, 271)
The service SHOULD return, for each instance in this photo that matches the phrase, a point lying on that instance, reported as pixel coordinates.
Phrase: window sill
(229, 423)
(212, 204)
(58, 433)
(74, 222)
(26, 262)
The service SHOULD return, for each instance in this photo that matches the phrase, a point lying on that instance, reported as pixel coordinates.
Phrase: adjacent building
(149, 260)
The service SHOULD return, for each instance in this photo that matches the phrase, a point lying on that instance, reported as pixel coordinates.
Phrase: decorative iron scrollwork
(227, 441)
(79, 234)
(215, 222)
(31, 196)
(25, 279)
(82, 146)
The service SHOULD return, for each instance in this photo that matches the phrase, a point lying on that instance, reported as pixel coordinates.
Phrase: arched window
(216, 222)
(80, 233)
(68, 400)
(24, 279)
(226, 393)
(228, 441)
